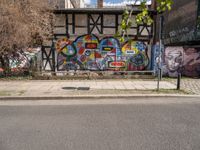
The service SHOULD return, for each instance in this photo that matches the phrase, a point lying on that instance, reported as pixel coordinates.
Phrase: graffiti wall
(182, 59)
(24, 60)
(155, 56)
(135, 55)
(87, 52)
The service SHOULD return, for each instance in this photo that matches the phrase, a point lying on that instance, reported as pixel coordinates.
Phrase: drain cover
(77, 88)
(83, 88)
(69, 88)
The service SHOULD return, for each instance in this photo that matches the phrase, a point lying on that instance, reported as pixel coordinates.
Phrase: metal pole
(179, 81)
(161, 37)
(158, 83)
(160, 53)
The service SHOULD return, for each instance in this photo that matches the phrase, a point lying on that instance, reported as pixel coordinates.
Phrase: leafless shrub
(24, 23)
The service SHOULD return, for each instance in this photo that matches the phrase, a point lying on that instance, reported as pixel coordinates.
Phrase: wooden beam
(73, 23)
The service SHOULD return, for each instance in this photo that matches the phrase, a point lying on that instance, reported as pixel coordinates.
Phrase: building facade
(84, 39)
(181, 37)
(68, 4)
(74, 4)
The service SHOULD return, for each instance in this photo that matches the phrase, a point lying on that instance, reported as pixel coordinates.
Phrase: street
(123, 124)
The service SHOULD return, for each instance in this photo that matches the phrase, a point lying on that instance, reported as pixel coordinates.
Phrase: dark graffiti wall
(182, 59)
(180, 24)
(198, 21)
(87, 52)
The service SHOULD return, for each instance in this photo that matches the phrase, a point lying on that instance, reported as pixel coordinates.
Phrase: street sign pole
(160, 52)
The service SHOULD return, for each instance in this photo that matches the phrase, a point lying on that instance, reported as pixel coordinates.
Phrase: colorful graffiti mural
(87, 46)
(135, 55)
(23, 60)
(66, 58)
(110, 52)
(87, 52)
(182, 60)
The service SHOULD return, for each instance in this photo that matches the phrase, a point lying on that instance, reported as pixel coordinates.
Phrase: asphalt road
(146, 124)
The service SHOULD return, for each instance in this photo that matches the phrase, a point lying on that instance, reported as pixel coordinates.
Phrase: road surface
(139, 124)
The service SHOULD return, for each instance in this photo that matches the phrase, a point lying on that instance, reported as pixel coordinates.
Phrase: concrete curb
(95, 97)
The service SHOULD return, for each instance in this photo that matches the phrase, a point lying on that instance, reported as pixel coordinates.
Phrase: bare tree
(23, 23)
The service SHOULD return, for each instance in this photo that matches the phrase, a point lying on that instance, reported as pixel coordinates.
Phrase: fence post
(159, 78)
(179, 81)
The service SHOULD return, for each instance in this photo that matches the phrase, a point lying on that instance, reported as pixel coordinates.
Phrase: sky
(93, 2)
(108, 2)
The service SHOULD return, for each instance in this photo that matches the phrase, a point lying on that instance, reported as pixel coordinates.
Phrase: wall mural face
(88, 53)
(183, 60)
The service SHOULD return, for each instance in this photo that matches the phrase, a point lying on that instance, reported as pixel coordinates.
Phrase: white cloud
(123, 3)
(87, 2)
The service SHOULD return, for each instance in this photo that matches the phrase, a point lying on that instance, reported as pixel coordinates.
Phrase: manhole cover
(77, 88)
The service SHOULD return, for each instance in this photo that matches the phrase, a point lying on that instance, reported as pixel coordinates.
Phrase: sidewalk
(73, 88)
(188, 84)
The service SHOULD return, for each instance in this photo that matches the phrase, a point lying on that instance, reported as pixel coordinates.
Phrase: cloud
(87, 2)
(123, 3)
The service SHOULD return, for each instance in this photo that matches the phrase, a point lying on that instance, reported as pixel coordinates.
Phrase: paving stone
(56, 87)
(188, 84)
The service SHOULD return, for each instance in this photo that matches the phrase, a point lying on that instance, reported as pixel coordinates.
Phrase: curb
(95, 97)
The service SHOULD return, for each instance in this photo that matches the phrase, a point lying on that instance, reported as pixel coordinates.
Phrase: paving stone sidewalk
(76, 87)
(188, 84)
